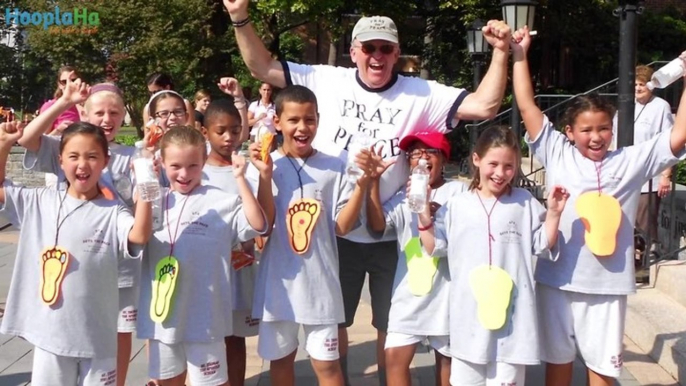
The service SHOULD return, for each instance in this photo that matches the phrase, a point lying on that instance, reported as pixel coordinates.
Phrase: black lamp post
(627, 13)
(478, 48)
(517, 14)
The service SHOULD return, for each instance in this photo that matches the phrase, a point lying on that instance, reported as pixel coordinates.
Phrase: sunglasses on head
(369, 48)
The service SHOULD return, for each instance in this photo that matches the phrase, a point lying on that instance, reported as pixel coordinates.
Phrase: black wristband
(241, 23)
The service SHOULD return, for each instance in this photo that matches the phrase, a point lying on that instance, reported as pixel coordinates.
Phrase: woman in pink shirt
(70, 116)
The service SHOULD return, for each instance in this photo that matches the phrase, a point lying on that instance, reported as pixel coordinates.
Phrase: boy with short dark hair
(298, 280)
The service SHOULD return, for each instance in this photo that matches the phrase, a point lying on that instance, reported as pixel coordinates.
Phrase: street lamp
(478, 48)
(517, 14)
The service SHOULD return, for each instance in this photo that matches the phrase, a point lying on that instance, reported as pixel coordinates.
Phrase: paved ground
(16, 354)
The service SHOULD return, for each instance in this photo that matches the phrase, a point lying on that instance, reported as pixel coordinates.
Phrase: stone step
(668, 278)
(657, 324)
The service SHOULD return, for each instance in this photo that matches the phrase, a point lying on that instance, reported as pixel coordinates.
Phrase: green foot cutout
(421, 268)
(163, 285)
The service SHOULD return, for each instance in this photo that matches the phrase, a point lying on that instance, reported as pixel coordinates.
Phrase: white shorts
(128, 310)
(50, 369)
(278, 339)
(593, 323)
(440, 343)
(463, 373)
(244, 325)
(205, 362)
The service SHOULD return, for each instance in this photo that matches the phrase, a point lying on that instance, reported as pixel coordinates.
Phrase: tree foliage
(576, 47)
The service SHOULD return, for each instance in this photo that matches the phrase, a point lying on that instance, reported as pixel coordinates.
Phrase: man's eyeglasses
(369, 48)
(63, 82)
(164, 114)
(422, 153)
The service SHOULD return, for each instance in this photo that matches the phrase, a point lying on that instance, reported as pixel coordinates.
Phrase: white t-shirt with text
(347, 106)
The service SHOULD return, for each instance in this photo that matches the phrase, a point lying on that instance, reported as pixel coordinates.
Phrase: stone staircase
(656, 318)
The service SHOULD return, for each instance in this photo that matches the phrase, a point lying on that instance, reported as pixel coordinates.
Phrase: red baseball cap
(432, 139)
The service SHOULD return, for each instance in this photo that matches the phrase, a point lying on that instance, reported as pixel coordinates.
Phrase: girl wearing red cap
(419, 305)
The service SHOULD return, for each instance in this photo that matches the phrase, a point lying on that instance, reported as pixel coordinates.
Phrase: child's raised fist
(75, 91)
(10, 132)
(230, 86)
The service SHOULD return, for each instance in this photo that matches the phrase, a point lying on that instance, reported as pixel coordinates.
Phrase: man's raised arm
(255, 55)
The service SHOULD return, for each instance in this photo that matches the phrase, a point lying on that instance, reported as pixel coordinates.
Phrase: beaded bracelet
(241, 23)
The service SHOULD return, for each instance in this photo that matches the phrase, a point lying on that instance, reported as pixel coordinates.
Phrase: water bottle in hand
(359, 141)
(419, 179)
(146, 180)
(668, 74)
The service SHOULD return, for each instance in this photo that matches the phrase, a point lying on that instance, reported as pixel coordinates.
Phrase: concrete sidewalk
(16, 354)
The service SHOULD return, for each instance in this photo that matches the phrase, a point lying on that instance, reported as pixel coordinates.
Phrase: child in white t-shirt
(223, 130)
(419, 304)
(582, 297)
(185, 292)
(70, 243)
(297, 283)
(492, 235)
(103, 107)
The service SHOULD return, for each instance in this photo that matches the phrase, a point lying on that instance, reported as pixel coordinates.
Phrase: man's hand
(498, 34)
(238, 9)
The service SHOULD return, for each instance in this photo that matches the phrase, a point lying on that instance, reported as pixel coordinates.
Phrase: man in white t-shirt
(652, 116)
(373, 99)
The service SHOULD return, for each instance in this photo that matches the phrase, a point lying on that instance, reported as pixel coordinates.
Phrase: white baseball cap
(375, 28)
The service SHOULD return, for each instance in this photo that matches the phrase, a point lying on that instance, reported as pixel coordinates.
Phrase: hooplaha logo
(78, 20)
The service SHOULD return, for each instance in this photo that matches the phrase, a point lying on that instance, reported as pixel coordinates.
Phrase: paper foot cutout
(601, 215)
(163, 285)
(421, 268)
(492, 288)
(300, 220)
(54, 263)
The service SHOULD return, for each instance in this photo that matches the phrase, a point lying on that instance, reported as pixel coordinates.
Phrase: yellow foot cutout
(163, 285)
(300, 220)
(492, 288)
(421, 268)
(601, 215)
(54, 263)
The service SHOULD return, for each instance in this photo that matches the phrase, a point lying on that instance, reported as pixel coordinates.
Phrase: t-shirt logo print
(511, 235)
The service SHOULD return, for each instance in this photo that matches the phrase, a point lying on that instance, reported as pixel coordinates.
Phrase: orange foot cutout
(300, 220)
(54, 262)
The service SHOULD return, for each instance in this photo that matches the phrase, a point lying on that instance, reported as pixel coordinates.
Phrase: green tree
(136, 38)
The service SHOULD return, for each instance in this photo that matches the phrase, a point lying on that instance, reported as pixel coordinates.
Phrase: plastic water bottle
(359, 141)
(668, 74)
(146, 180)
(157, 214)
(416, 199)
